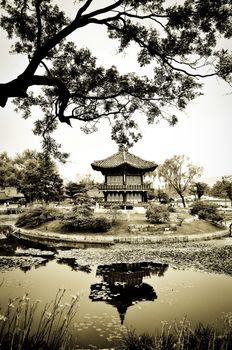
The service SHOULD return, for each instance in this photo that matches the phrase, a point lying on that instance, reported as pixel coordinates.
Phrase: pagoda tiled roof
(123, 157)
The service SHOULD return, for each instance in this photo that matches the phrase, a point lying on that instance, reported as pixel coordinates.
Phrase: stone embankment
(70, 240)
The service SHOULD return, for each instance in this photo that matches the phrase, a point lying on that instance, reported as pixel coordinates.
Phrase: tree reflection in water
(123, 285)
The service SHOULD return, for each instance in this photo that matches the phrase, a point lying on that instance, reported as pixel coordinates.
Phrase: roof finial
(122, 147)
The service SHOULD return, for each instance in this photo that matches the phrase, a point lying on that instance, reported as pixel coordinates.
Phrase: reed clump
(182, 336)
(23, 327)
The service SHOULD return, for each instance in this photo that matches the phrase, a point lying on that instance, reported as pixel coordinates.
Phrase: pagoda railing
(106, 187)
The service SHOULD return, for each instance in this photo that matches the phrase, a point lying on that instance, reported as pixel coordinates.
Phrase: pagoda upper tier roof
(121, 158)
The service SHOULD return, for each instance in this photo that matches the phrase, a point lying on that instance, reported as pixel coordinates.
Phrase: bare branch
(87, 117)
(152, 15)
(64, 93)
(39, 24)
(105, 9)
(46, 67)
(83, 8)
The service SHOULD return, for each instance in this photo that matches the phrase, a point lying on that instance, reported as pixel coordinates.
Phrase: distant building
(124, 177)
(9, 194)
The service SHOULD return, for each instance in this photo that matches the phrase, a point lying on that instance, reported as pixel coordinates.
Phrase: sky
(203, 132)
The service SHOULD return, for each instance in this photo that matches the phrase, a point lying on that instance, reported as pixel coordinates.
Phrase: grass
(22, 329)
(197, 226)
(121, 228)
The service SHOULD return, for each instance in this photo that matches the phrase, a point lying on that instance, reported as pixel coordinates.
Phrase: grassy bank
(121, 227)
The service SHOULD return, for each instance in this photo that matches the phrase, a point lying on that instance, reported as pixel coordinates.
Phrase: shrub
(86, 224)
(36, 216)
(101, 225)
(81, 219)
(163, 197)
(206, 211)
(171, 208)
(157, 214)
(198, 206)
(22, 201)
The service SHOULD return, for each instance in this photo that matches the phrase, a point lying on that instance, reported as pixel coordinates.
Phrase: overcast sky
(203, 132)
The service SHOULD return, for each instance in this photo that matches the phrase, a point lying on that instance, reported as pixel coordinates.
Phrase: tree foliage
(218, 190)
(223, 188)
(162, 196)
(7, 171)
(36, 177)
(179, 174)
(227, 183)
(199, 189)
(73, 188)
(179, 42)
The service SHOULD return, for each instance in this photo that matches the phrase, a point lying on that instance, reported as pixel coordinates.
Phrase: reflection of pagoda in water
(122, 284)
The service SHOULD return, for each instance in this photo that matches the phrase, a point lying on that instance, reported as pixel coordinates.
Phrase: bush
(36, 216)
(171, 208)
(206, 211)
(81, 219)
(157, 214)
(100, 225)
(197, 206)
(86, 224)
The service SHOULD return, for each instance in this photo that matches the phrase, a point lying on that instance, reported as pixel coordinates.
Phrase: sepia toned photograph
(115, 175)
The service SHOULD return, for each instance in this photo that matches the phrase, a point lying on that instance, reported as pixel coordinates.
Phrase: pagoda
(124, 177)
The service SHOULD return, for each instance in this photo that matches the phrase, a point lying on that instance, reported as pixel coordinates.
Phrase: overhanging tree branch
(169, 36)
(155, 53)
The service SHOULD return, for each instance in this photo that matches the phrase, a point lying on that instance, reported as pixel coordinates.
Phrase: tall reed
(22, 328)
(182, 336)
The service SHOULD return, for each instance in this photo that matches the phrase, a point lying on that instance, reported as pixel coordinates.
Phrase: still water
(116, 296)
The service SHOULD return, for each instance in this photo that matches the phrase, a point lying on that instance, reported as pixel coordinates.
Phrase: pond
(137, 293)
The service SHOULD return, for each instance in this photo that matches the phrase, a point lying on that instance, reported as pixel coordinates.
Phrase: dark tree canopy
(218, 190)
(38, 177)
(227, 183)
(178, 41)
(199, 189)
(34, 174)
(223, 188)
(8, 175)
(73, 188)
